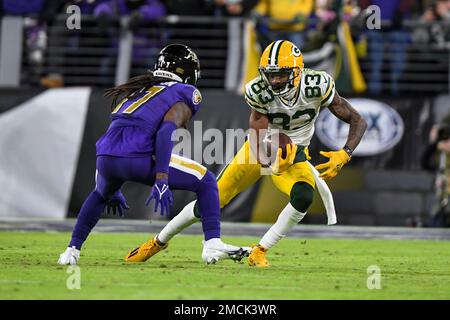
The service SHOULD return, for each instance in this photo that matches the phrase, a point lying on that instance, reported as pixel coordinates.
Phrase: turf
(301, 269)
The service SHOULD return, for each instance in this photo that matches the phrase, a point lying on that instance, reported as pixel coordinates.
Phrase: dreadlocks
(132, 87)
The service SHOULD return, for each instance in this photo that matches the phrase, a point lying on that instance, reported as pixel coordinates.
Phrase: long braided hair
(132, 87)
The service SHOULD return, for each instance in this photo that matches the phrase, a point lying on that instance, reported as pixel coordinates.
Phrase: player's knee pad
(197, 210)
(302, 195)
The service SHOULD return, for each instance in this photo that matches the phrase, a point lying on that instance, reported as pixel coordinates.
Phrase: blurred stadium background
(390, 58)
(52, 76)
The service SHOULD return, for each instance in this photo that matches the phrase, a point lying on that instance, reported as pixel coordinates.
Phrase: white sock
(180, 222)
(287, 219)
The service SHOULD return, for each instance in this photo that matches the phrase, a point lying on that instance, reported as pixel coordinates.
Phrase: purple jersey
(136, 121)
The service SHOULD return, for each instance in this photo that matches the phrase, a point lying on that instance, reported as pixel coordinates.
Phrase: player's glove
(281, 164)
(337, 160)
(306, 150)
(117, 204)
(162, 195)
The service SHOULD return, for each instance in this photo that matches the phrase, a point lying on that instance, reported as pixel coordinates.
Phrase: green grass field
(301, 269)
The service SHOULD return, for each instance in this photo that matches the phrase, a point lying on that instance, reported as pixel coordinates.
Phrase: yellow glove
(306, 150)
(281, 164)
(337, 161)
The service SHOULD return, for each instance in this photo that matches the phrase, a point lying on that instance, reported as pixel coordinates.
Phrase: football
(275, 141)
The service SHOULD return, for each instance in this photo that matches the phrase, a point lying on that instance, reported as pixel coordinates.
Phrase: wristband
(348, 150)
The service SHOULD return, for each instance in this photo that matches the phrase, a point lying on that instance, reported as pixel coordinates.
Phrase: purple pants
(184, 174)
(113, 172)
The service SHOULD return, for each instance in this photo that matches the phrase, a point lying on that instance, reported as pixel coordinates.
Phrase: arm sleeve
(164, 146)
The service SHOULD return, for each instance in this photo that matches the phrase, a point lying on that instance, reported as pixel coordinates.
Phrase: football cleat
(70, 256)
(145, 251)
(215, 249)
(257, 257)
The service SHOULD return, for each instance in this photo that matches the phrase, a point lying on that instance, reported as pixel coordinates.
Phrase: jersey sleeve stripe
(247, 96)
(330, 88)
(252, 104)
(326, 102)
(259, 109)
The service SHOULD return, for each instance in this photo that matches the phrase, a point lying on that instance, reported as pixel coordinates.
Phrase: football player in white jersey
(285, 96)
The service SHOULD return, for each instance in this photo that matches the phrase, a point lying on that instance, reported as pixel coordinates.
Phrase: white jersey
(295, 118)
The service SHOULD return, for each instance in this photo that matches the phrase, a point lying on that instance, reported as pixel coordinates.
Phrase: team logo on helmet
(192, 56)
(178, 62)
(296, 51)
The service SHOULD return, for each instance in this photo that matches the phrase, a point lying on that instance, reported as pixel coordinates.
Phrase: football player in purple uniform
(138, 147)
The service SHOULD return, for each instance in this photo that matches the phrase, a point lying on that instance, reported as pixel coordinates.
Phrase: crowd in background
(307, 23)
(436, 159)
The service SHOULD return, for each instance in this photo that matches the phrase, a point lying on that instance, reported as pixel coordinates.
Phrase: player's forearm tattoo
(342, 109)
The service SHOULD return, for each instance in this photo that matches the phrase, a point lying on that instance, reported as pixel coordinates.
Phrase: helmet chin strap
(278, 94)
(289, 88)
(290, 94)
